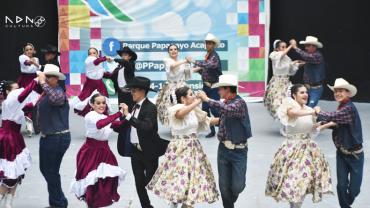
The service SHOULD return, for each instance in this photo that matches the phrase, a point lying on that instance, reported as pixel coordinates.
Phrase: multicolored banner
(149, 26)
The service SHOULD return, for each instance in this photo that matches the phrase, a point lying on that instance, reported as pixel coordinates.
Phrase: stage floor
(266, 139)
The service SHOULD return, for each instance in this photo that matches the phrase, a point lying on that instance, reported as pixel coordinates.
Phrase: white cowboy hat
(53, 70)
(227, 80)
(213, 38)
(311, 40)
(341, 83)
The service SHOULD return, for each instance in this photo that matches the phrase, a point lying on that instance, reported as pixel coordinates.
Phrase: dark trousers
(232, 169)
(213, 94)
(52, 149)
(349, 176)
(143, 170)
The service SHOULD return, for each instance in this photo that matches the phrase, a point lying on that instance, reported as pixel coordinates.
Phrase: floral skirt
(299, 168)
(276, 91)
(185, 176)
(166, 99)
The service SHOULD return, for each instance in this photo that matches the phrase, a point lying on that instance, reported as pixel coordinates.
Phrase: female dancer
(15, 158)
(94, 81)
(29, 66)
(282, 68)
(185, 176)
(299, 167)
(98, 174)
(177, 71)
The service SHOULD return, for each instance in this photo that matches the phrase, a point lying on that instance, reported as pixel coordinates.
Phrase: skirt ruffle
(15, 158)
(185, 175)
(80, 103)
(299, 168)
(276, 91)
(98, 175)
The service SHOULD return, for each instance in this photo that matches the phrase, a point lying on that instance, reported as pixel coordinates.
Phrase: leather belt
(353, 153)
(55, 133)
(232, 146)
(138, 147)
(311, 86)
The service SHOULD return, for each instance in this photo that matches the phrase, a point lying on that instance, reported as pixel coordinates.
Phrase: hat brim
(131, 53)
(216, 41)
(47, 51)
(317, 44)
(61, 76)
(217, 85)
(130, 86)
(351, 88)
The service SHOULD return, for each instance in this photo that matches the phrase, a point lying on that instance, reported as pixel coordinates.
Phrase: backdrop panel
(24, 21)
(149, 26)
(342, 26)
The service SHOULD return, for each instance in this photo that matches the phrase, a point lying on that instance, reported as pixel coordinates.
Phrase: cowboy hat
(53, 70)
(128, 51)
(311, 40)
(341, 83)
(50, 49)
(227, 80)
(212, 38)
(140, 82)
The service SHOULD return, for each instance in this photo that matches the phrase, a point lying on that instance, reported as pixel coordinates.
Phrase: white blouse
(90, 124)
(196, 121)
(31, 69)
(92, 71)
(297, 125)
(180, 73)
(282, 64)
(12, 108)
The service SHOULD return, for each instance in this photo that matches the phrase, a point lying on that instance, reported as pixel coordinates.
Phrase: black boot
(213, 132)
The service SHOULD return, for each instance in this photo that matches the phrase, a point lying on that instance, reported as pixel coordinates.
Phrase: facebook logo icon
(111, 46)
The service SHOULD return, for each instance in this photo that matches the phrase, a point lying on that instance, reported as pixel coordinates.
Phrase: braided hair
(5, 86)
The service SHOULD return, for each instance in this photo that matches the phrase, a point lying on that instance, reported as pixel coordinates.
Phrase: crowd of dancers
(184, 176)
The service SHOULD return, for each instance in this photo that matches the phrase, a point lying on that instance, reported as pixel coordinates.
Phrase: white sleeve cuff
(128, 117)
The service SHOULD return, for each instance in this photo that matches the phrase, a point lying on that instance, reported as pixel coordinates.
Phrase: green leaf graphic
(115, 11)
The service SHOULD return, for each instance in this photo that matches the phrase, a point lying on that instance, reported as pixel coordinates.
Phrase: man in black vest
(233, 133)
(348, 139)
(53, 117)
(139, 137)
(210, 69)
(123, 75)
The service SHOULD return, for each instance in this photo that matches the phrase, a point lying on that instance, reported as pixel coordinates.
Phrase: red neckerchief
(231, 97)
(343, 103)
(206, 57)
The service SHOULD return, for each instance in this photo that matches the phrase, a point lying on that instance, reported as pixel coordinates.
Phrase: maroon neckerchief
(343, 103)
(231, 97)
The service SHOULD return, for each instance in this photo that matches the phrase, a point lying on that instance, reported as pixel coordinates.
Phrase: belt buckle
(229, 145)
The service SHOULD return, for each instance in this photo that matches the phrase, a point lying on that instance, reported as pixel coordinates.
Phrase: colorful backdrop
(148, 26)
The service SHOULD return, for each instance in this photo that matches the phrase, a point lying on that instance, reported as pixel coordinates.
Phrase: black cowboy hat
(50, 49)
(140, 82)
(129, 51)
